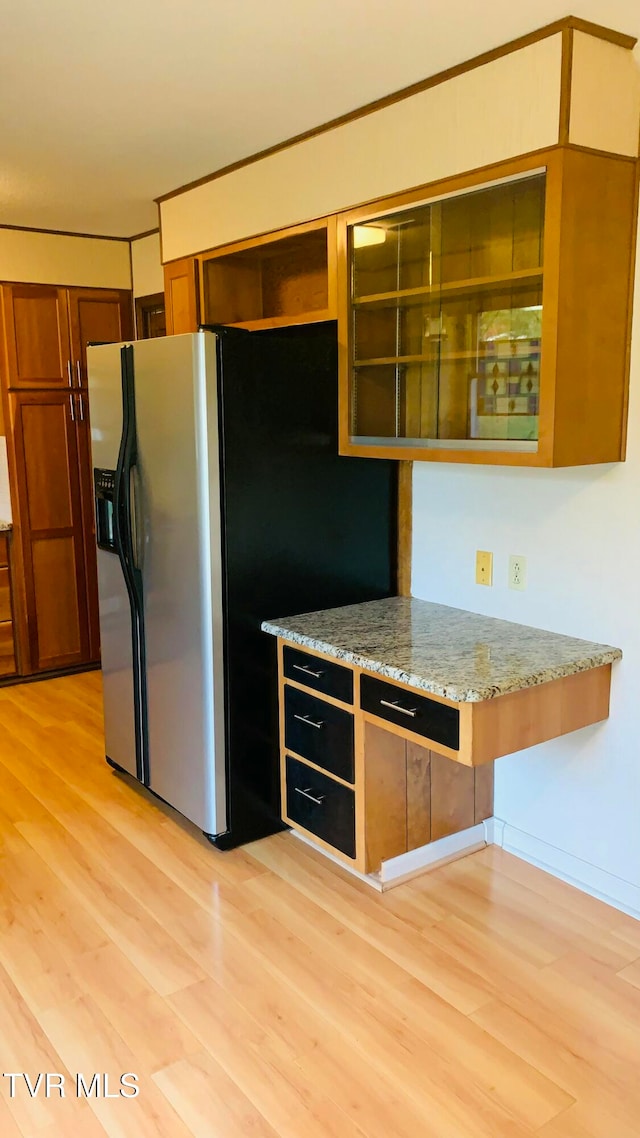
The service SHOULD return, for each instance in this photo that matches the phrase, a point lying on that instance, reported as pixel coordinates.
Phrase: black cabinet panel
(319, 732)
(304, 529)
(321, 675)
(417, 713)
(322, 806)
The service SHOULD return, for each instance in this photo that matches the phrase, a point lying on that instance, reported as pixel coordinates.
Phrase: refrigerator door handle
(124, 543)
(121, 491)
(137, 528)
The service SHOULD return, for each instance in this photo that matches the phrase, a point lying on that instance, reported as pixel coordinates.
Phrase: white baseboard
(583, 875)
(589, 878)
(407, 865)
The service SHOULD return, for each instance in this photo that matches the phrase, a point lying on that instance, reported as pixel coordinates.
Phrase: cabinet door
(95, 316)
(181, 296)
(85, 478)
(51, 528)
(36, 334)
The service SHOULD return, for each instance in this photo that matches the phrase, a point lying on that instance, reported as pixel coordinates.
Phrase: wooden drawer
(321, 675)
(4, 550)
(5, 595)
(416, 713)
(319, 732)
(322, 806)
(7, 659)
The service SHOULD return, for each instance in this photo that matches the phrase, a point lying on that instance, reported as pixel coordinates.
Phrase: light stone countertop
(4, 526)
(449, 652)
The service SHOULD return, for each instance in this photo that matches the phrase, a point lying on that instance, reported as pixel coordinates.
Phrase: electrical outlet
(484, 567)
(517, 571)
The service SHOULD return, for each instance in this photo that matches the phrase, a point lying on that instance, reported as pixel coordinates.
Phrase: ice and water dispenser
(104, 484)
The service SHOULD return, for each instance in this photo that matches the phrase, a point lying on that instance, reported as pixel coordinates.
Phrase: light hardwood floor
(263, 993)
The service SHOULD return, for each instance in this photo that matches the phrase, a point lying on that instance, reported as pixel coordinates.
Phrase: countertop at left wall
(5, 496)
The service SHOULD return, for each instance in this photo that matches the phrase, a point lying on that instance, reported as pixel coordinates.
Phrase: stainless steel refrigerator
(220, 501)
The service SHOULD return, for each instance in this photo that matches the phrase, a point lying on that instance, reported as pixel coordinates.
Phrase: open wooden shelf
(271, 283)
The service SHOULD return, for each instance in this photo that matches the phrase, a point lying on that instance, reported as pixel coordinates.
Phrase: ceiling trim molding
(563, 25)
(146, 233)
(63, 232)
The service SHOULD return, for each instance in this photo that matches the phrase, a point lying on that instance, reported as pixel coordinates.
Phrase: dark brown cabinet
(7, 651)
(36, 337)
(51, 529)
(46, 332)
(95, 316)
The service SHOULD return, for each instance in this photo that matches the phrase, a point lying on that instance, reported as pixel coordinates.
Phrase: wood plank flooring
(264, 993)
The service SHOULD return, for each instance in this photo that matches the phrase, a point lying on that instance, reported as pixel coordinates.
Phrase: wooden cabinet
(7, 648)
(95, 316)
(358, 775)
(488, 319)
(414, 795)
(385, 769)
(37, 347)
(51, 527)
(181, 293)
(272, 281)
(49, 446)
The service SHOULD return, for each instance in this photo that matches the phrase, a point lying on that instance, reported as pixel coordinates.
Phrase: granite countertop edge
(5, 526)
(446, 691)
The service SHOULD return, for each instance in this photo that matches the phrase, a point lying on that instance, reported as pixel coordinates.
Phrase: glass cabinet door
(445, 321)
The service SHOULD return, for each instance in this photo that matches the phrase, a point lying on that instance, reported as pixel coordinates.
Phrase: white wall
(572, 804)
(53, 258)
(148, 275)
(504, 108)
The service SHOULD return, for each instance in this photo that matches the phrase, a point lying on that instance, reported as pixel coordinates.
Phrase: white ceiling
(106, 105)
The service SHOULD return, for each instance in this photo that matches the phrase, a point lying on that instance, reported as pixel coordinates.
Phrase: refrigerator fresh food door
(176, 505)
(105, 396)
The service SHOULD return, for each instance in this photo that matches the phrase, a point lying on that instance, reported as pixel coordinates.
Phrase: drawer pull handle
(395, 706)
(307, 671)
(309, 722)
(307, 794)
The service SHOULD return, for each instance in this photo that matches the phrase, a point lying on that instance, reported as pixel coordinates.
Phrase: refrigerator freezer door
(105, 394)
(177, 509)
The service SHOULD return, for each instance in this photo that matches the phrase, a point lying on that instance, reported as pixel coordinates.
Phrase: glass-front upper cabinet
(446, 320)
(488, 320)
